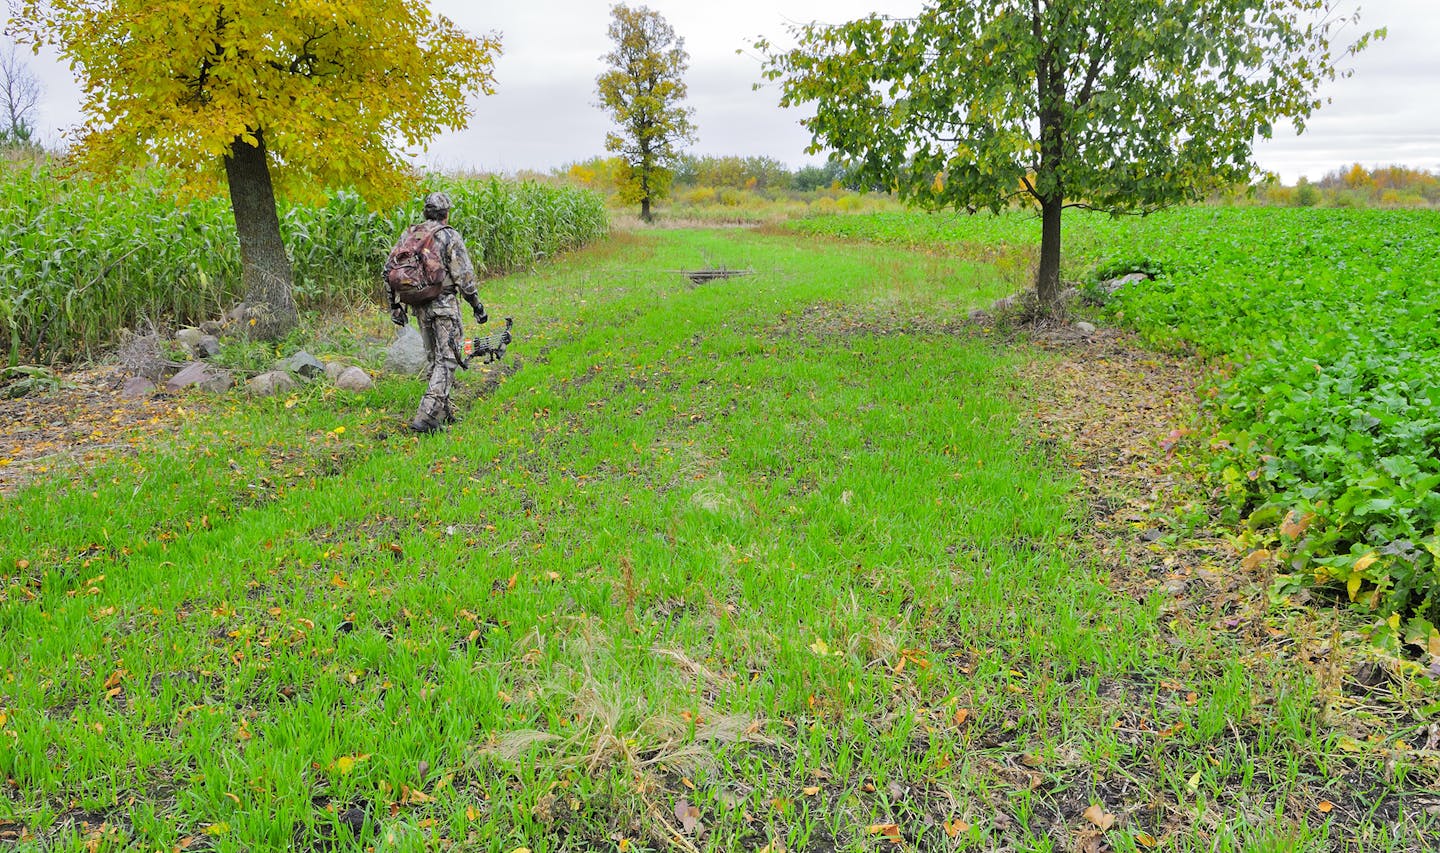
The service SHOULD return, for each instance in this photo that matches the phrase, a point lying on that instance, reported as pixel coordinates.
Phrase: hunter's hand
(399, 316)
(480, 316)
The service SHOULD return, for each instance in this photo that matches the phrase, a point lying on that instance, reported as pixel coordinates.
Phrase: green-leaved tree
(643, 90)
(1124, 106)
(260, 95)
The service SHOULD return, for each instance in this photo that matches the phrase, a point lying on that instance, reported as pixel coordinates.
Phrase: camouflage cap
(437, 203)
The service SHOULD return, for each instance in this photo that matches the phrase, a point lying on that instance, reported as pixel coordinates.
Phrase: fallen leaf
(1097, 815)
(688, 815)
(1253, 561)
(1145, 839)
(961, 715)
(820, 647)
(811, 790)
(953, 828)
(1325, 806)
(889, 830)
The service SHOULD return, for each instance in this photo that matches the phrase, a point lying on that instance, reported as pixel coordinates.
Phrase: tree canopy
(1118, 105)
(643, 90)
(263, 95)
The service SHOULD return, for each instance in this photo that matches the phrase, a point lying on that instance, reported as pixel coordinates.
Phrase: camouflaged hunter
(439, 318)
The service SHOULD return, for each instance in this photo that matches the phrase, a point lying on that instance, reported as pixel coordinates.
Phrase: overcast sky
(543, 115)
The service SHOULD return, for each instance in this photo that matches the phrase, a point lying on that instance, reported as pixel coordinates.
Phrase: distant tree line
(1357, 186)
(764, 175)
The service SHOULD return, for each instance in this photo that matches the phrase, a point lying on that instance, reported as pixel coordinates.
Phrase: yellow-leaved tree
(266, 96)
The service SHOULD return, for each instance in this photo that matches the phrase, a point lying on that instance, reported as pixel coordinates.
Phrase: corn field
(82, 261)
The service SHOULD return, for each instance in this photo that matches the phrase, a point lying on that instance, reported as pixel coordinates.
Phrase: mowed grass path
(766, 562)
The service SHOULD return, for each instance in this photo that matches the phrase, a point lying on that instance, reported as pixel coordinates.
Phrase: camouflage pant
(444, 349)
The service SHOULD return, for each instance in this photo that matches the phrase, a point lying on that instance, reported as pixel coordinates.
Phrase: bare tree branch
(19, 97)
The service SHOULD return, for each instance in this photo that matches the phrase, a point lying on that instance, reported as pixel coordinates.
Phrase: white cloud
(544, 114)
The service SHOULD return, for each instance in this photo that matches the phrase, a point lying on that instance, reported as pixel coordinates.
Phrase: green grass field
(772, 563)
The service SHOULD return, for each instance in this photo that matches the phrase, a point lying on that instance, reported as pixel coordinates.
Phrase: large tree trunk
(265, 268)
(645, 215)
(1047, 278)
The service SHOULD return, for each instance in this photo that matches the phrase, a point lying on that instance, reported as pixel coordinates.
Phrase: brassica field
(83, 261)
(1325, 432)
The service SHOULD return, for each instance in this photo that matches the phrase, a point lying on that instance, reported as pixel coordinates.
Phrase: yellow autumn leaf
(1353, 585)
(820, 647)
(1366, 562)
(344, 764)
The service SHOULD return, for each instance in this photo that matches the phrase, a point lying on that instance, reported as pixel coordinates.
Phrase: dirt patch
(1124, 419)
(1120, 414)
(83, 422)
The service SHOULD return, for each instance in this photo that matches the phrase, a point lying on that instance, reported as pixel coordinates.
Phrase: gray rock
(189, 337)
(1175, 587)
(218, 382)
(237, 314)
(191, 374)
(1069, 296)
(1084, 328)
(210, 327)
(136, 387)
(354, 379)
(407, 354)
(207, 347)
(269, 384)
(333, 369)
(1114, 284)
(303, 364)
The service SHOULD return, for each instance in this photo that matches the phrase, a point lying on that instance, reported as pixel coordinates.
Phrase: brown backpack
(416, 271)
